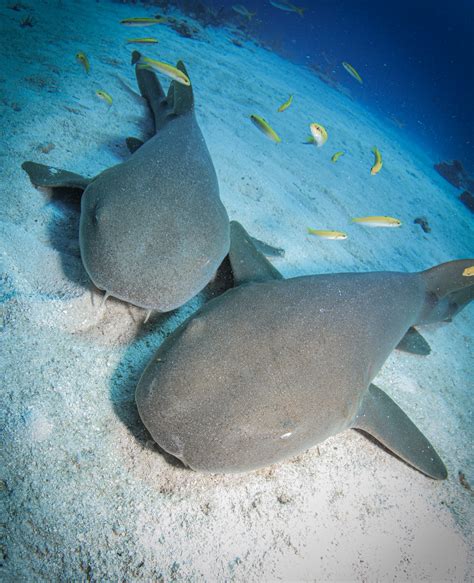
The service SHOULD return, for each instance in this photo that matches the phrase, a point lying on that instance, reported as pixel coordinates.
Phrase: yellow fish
(142, 41)
(143, 21)
(287, 7)
(168, 70)
(336, 235)
(378, 161)
(287, 104)
(378, 221)
(335, 157)
(352, 72)
(82, 58)
(468, 272)
(243, 11)
(265, 127)
(319, 134)
(104, 95)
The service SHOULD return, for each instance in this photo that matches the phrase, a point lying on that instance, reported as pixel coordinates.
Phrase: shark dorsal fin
(133, 144)
(414, 343)
(246, 261)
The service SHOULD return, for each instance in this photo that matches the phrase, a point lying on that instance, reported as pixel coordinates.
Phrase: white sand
(87, 495)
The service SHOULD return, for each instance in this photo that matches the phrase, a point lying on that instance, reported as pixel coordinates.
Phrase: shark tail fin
(449, 288)
(382, 418)
(180, 97)
(178, 101)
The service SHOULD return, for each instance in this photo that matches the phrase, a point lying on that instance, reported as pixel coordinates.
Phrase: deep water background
(415, 57)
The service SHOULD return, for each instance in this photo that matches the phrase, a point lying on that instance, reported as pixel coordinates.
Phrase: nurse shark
(146, 224)
(275, 366)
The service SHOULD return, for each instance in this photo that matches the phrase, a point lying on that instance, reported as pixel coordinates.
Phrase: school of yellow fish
(318, 135)
(144, 62)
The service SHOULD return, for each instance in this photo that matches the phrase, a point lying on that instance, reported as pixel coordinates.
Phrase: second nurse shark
(274, 366)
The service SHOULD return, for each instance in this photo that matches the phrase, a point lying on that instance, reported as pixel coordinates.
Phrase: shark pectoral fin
(133, 144)
(267, 249)
(383, 419)
(49, 177)
(414, 343)
(246, 261)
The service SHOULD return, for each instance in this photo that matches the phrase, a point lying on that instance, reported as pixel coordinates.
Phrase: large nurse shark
(275, 366)
(153, 230)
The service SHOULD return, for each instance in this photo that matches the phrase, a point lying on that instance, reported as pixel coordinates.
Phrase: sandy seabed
(85, 493)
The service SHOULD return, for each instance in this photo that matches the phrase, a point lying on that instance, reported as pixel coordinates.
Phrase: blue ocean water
(415, 58)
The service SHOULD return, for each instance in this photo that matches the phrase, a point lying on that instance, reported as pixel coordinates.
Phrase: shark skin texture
(145, 224)
(273, 367)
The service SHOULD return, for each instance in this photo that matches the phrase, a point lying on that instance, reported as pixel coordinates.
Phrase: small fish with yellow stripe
(352, 72)
(83, 60)
(335, 157)
(378, 161)
(168, 70)
(143, 21)
(104, 96)
(324, 234)
(319, 134)
(286, 105)
(142, 41)
(265, 128)
(378, 221)
(469, 271)
(287, 6)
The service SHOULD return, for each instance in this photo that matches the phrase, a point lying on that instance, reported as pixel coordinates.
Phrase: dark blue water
(416, 59)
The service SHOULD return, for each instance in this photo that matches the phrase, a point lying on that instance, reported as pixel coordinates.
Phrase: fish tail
(448, 291)
(300, 11)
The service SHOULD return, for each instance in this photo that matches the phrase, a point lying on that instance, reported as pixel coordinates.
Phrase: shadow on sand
(139, 352)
